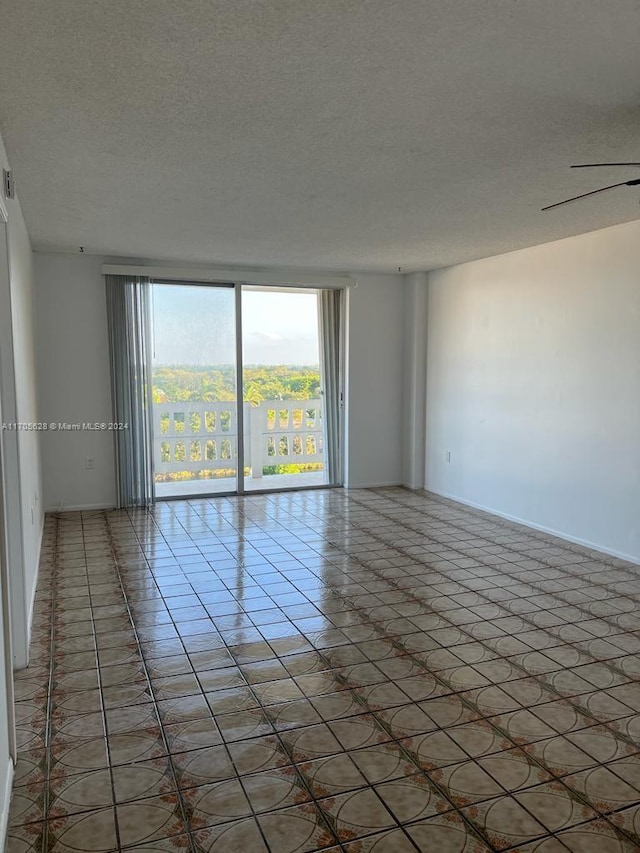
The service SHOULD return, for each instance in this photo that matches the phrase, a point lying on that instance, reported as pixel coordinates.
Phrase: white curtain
(129, 320)
(330, 310)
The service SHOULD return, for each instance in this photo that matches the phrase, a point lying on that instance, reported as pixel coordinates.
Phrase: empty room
(320, 446)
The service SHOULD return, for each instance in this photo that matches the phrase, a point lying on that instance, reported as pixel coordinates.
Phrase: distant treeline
(211, 384)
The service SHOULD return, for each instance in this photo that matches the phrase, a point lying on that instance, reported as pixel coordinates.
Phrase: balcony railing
(196, 437)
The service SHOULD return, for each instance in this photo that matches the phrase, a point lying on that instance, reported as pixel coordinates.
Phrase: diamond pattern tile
(366, 670)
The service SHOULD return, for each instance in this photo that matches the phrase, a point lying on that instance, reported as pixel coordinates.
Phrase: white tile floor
(367, 672)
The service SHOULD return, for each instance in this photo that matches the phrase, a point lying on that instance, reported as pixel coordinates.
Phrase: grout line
(50, 686)
(180, 534)
(143, 664)
(102, 705)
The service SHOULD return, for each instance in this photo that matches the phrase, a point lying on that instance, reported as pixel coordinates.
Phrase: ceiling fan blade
(584, 195)
(596, 165)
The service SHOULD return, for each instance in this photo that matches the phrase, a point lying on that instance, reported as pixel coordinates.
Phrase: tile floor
(344, 671)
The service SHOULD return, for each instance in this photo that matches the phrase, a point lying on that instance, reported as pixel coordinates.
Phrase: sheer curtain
(129, 320)
(330, 311)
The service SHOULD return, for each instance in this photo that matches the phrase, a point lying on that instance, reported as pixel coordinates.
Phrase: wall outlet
(89, 463)
(447, 456)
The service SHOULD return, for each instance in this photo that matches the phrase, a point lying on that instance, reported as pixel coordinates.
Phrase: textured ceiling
(340, 134)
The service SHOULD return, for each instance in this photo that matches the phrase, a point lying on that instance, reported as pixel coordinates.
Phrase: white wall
(7, 715)
(6, 663)
(533, 385)
(23, 483)
(74, 382)
(6, 762)
(21, 276)
(21, 515)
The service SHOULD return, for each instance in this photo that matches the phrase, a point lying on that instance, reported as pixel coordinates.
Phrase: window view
(194, 390)
(195, 417)
(281, 389)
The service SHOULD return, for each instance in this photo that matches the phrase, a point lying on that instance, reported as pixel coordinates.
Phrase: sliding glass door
(282, 389)
(194, 390)
(245, 392)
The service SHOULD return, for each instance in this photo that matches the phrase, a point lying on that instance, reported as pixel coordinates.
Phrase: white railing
(204, 436)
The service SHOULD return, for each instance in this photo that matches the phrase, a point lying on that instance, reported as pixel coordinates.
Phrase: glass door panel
(194, 378)
(282, 402)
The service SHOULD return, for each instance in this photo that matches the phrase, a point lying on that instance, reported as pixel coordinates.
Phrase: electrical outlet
(89, 463)
(447, 456)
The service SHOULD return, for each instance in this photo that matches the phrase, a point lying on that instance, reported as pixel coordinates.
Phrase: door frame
(238, 286)
(6, 552)
(237, 292)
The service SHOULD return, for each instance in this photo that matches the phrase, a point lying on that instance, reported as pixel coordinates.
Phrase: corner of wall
(34, 587)
(5, 803)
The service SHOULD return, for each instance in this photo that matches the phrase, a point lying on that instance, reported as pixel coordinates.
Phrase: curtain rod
(282, 278)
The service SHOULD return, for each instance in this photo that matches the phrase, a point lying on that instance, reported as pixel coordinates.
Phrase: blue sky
(195, 325)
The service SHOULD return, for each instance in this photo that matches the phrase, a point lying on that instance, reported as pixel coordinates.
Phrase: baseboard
(79, 507)
(6, 804)
(594, 546)
(373, 485)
